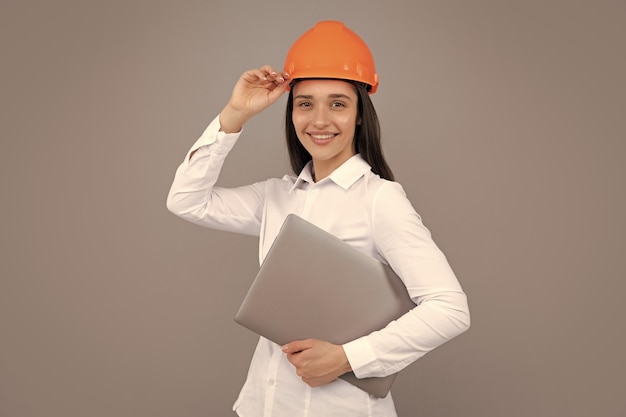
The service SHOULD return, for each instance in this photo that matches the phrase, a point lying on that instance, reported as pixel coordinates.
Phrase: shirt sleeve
(193, 195)
(441, 311)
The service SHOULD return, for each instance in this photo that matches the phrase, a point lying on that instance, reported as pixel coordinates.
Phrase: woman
(344, 186)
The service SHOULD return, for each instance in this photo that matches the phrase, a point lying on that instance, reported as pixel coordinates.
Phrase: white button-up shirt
(369, 213)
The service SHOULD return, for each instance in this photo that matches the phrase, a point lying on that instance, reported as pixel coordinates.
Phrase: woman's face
(325, 116)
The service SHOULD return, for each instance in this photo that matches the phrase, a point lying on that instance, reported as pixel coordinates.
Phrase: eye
(337, 104)
(304, 104)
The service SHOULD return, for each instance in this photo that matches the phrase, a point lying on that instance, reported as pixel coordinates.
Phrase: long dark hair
(366, 136)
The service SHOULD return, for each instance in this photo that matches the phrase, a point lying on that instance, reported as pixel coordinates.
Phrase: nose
(321, 117)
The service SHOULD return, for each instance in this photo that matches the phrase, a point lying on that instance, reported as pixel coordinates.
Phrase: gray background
(503, 120)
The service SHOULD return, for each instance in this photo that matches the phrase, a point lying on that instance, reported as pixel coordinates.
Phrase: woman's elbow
(458, 312)
(173, 204)
(462, 316)
(465, 320)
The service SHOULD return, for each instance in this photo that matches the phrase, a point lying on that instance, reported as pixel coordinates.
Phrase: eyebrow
(336, 95)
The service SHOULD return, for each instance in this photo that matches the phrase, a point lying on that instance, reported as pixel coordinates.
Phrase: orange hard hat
(331, 50)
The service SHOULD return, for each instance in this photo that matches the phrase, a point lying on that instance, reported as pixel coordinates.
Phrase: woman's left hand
(317, 362)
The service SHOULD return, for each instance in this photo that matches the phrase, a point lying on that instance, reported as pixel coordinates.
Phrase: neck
(319, 173)
(323, 168)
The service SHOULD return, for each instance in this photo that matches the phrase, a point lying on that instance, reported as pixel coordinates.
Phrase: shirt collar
(344, 176)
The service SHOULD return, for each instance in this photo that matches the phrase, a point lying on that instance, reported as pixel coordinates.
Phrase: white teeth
(322, 136)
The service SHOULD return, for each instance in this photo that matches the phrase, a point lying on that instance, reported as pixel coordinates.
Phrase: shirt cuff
(213, 135)
(362, 358)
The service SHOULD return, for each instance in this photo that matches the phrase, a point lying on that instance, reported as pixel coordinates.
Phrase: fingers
(297, 346)
(316, 362)
(270, 74)
(266, 75)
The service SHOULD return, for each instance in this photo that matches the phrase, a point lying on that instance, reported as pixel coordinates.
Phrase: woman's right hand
(255, 91)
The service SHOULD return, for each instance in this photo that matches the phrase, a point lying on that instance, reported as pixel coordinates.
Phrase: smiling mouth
(322, 137)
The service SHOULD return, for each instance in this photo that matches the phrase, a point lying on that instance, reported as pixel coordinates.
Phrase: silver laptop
(313, 285)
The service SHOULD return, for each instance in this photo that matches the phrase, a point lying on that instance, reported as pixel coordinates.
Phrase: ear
(358, 121)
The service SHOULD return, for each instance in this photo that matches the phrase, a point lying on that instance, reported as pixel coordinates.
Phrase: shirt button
(271, 382)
